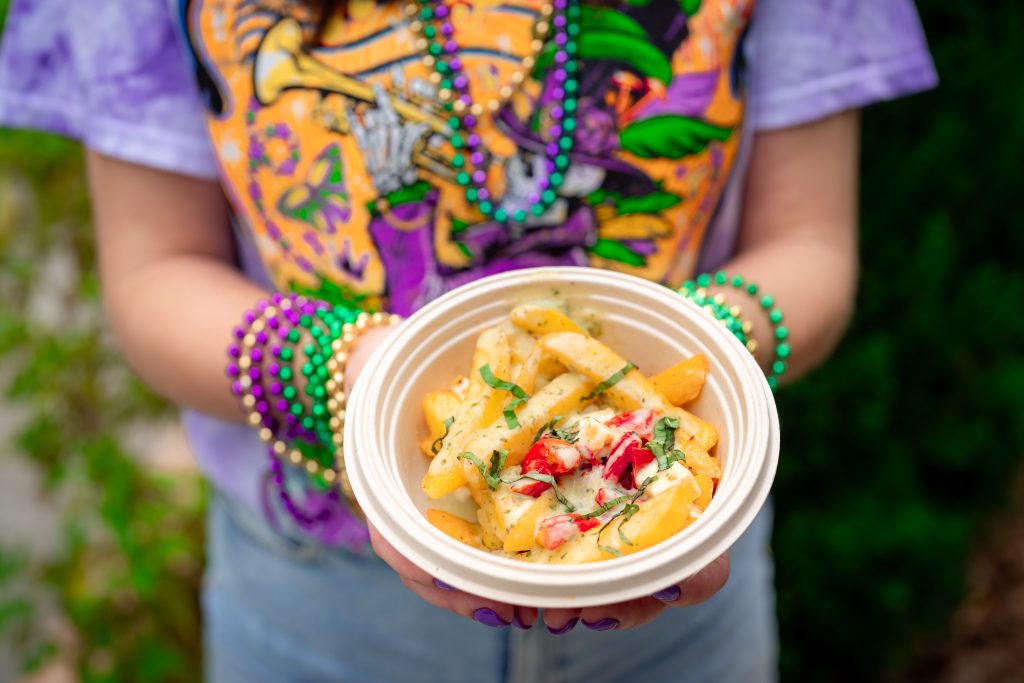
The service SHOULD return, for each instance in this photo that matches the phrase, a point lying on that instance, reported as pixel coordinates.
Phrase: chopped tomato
(548, 456)
(551, 456)
(554, 531)
(640, 421)
(641, 457)
(529, 487)
(629, 450)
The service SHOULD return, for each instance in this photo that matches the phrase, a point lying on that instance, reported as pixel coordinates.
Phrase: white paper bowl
(644, 322)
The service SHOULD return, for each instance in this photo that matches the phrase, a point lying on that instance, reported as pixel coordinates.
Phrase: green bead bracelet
(697, 286)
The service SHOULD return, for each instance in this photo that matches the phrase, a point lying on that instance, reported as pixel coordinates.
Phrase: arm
(170, 286)
(173, 295)
(798, 241)
(798, 236)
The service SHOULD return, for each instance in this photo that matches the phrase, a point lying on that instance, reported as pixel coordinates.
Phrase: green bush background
(895, 453)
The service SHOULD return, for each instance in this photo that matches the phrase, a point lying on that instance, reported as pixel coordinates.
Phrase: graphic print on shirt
(341, 158)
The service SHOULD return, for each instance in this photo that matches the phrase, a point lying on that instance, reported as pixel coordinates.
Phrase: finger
(525, 617)
(561, 621)
(487, 612)
(394, 559)
(699, 587)
(621, 615)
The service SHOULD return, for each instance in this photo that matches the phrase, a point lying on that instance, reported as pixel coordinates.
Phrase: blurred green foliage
(127, 571)
(912, 433)
(895, 452)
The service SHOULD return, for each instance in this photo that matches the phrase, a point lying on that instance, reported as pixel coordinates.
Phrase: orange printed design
(339, 156)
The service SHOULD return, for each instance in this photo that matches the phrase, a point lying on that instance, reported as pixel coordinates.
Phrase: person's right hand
(487, 612)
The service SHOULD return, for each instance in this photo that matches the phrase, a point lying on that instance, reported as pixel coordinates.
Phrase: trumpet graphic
(283, 63)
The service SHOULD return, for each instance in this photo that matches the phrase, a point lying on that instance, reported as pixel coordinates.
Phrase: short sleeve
(812, 58)
(113, 74)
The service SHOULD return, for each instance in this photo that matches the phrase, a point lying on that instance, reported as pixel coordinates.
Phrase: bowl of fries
(561, 437)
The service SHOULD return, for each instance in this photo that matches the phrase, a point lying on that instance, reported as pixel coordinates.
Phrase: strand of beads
(470, 160)
(729, 316)
(262, 370)
(337, 402)
(697, 288)
(270, 404)
(453, 91)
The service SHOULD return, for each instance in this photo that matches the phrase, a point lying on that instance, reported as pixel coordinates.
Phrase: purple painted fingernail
(488, 617)
(519, 623)
(603, 625)
(565, 629)
(443, 586)
(670, 594)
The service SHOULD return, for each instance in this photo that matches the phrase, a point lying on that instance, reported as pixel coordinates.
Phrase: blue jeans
(279, 609)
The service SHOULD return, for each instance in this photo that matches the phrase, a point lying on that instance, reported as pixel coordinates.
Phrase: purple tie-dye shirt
(117, 76)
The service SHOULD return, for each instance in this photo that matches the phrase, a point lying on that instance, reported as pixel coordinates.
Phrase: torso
(339, 157)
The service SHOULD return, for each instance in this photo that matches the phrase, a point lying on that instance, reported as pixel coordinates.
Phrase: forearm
(798, 238)
(173, 322)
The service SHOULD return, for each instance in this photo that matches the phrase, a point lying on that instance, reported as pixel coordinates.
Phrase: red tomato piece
(529, 487)
(620, 457)
(552, 456)
(556, 530)
(640, 456)
(640, 421)
(605, 494)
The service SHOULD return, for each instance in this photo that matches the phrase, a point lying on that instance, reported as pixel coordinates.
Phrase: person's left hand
(691, 591)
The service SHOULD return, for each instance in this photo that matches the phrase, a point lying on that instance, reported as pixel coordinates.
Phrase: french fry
(521, 535)
(456, 527)
(707, 488)
(564, 394)
(492, 526)
(501, 368)
(542, 320)
(560, 369)
(438, 406)
(658, 518)
(446, 473)
(697, 459)
(526, 378)
(496, 508)
(588, 356)
(684, 381)
(521, 342)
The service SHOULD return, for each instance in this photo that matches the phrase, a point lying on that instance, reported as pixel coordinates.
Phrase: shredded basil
(659, 454)
(629, 510)
(547, 479)
(676, 456)
(609, 549)
(519, 395)
(436, 446)
(663, 444)
(610, 382)
(614, 502)
(549, 427)
(492, 480)
(570, 435)
(498, 459)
